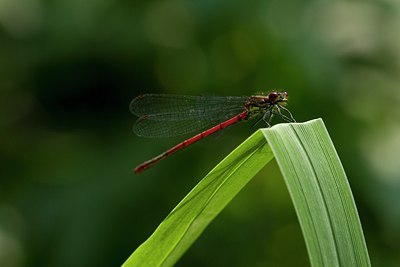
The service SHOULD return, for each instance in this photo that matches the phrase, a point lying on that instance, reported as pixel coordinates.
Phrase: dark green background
(69, 68)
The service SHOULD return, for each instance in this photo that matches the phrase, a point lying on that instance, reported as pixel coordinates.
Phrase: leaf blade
(320, 192)
(316, 182)
(207, 199)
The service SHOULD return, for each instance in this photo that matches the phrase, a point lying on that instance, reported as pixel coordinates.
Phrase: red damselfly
(162, 115)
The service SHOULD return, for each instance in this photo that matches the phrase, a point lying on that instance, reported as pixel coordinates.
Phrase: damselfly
(162, 115)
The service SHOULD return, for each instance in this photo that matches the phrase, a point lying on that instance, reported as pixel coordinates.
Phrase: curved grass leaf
(316, 182)
(192, 215)
(320, 193)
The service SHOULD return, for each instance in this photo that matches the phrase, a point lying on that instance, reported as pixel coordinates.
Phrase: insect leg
(290, 114)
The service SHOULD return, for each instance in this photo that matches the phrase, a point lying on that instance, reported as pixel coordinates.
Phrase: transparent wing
(183, 106)
(164, 126)
(164, 115)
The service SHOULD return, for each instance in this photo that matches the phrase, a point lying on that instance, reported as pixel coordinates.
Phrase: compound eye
(273, 96)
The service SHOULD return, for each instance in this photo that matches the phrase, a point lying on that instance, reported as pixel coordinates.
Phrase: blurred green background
(69, 68)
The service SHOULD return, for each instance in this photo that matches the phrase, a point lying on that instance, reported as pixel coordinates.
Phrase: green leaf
(192, 215)
(320, 193)
(316, 182)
